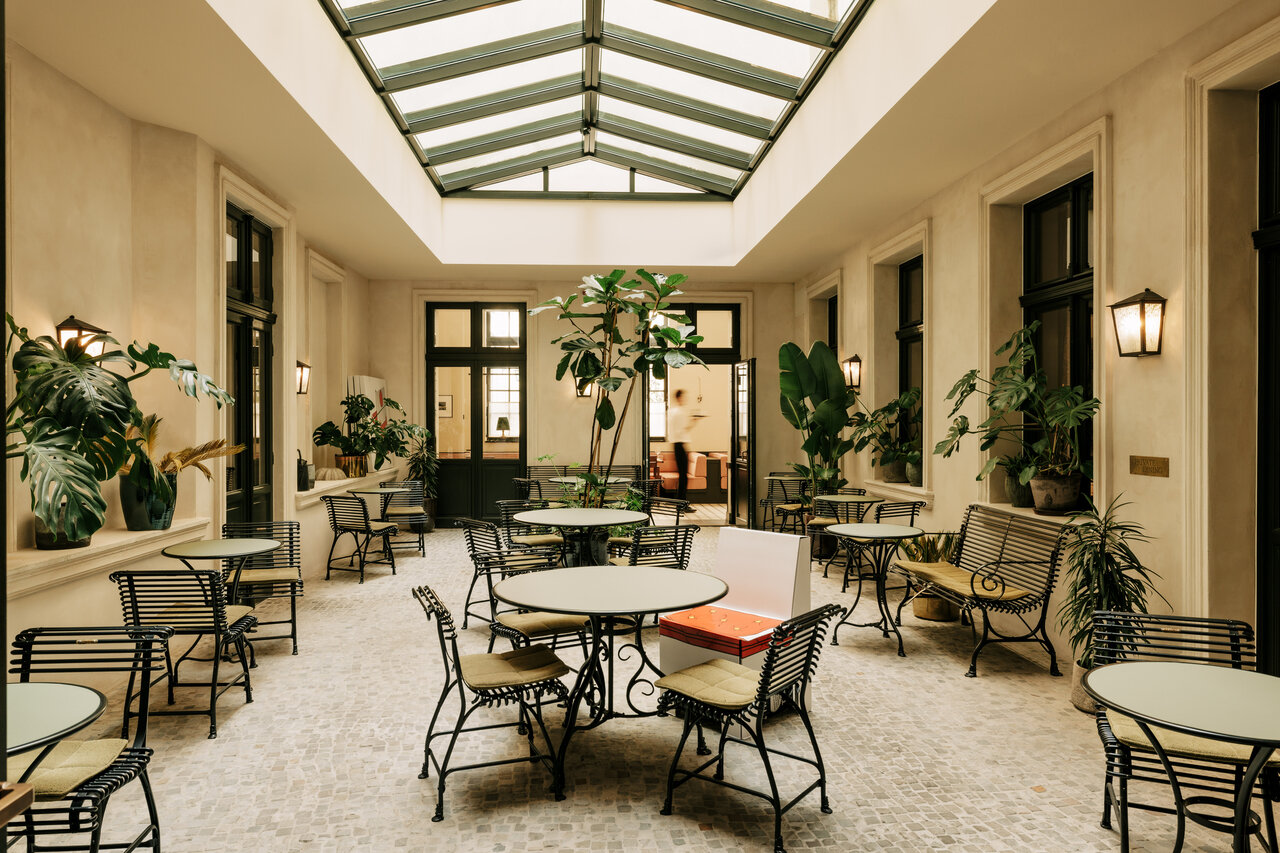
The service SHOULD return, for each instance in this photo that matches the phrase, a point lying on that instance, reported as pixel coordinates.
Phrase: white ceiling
(176, 63)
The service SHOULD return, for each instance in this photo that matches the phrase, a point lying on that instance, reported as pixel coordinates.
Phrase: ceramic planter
(1019, 494)
(894, 472)
(1055, 495)
(1079, 698)
(144, 508)
(355, 465)
(915, 473)
(934, 609)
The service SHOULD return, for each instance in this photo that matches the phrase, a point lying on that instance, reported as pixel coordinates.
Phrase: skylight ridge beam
(483, 106)
(685, 107)
(676, 142)
(513, 168)
(385, 15)
(665, 171)
(588, 195)
(534, 131)
(701, 62)
(766, 17)
(496, 54)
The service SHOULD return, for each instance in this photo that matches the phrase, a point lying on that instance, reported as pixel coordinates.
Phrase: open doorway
(704, 393)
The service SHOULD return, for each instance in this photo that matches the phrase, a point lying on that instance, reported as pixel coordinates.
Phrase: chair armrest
(993, 582)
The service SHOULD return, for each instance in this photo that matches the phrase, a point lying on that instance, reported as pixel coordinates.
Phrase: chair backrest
(841, 511)
(851, 490)
(446, 630)
(412, 498)
(347, 514)
(767, 573)
(1026, 550)
(670, 547)
(65, 651)
(792, 656)
(899, 512)
(480, 536)
(1142, 636)
(190, 602)
(287, 533)
(526, 488)
(665, 512)
(647, 488)
(507, 510)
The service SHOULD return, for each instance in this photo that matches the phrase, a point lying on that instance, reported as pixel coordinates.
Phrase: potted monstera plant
(893, 434)
(366, 431)
(69, 422)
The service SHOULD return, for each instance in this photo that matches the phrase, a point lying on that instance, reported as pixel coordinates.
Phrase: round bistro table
(579, 525)
(41, 713)
(383, 492)
(222, 549)
(603, 594)
(880, 541)
(1215, 702)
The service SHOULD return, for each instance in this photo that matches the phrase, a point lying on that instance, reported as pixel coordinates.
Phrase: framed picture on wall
(444, 405)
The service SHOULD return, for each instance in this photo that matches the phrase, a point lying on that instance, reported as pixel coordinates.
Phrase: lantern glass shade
(1139, 324)
(582, 390)
(72, 329)
(304, 377)
(852, 368)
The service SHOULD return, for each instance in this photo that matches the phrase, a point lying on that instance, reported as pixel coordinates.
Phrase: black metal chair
(662, 512)
(193, 604)
(669, 547)
(492, 561)
(276, 574)
(523, 676)
(892, 512)
(776, 494)
(64, 804)
(828, 514)
(727, 694)
(349, 516)
(1200, 764)
(405, 511)
(517, 534)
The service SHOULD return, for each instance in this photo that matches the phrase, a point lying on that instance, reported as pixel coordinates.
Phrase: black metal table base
(881, 552)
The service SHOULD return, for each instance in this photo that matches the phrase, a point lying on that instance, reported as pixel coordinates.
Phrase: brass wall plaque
(1149, 466)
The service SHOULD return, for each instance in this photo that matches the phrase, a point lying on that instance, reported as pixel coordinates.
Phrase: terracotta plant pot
(1055, 495)
(355, 465)
(894, 472)
(1081, 700)
(934, 609)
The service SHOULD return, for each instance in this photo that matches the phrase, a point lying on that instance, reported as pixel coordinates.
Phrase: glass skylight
(598, 97)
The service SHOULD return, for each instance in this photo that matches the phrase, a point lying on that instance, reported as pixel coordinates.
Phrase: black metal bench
(1002, 563)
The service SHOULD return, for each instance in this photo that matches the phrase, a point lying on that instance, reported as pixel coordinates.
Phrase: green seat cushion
(959, 581)
(1180, 745)
(67, 765)
(542, 624)
(516, 668)
(536, 540)
(719, 683)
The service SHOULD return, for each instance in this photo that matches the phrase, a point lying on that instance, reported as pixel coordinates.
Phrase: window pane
(531, 182)
(511, 153)
(691, 85)
(662, 154)
(913, 375)
(676, 124)
(657, 408)
(260, 265)
(911, 293)
(232, 255)
(501, 328)
(235, 476)
(458, 32)
(711, 34)
(1050, 241)
(716, 328)
(646, 184)
(590, 176)
(452, 327)
(1086, 238)
(502, 121)
(1054, 347)
(257, 449)
(486, 82)
(502, 411)
(453, 412)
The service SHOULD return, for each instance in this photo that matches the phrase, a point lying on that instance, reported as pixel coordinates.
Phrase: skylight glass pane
(711, 34)
(646, 184)
(525, 183)
(471, 29)
(676, 124)
(487, 82)
(666, 156)
(511, 153)
(832, 10)
(590, 176)
(502, 121)
(690, 85)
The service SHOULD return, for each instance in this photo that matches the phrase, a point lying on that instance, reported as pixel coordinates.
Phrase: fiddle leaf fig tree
(70, 415)
(621, 332)
(815, 401)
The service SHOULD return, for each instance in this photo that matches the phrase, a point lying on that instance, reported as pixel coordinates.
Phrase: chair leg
(671, 774)
(248, 688)
(328, 564)
(293, 621)
(431, 727)
(466, 607)
(803, 708)
(152, 812)
(973, 662)
(757, 735)
(213, 688)
(444, 765)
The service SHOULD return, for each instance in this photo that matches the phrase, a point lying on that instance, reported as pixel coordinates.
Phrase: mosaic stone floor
(920, 758)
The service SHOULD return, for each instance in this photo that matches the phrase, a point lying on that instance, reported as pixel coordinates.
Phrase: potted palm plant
(1044, 421)
(893, 434)
(816, 401)
(69, 418)
(1102, 573)
(149, 484)
(931, 548)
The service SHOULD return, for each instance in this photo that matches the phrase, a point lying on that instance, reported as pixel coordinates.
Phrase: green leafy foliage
(621, 331)
(891, 431)
(424, 465)
(814, 400)
(1044, 422)
(1102, 573)
(369, 429)
(70, 416)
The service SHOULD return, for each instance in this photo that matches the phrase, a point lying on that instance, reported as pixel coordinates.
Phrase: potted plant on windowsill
(893, 434)
(366, 430)
(1044, 421)
(149, 485)
(69, 419)
(816, 401)
(1102, 573)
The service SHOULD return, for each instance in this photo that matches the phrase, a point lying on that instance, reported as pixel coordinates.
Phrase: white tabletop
(1234, 705)
(40, 712)
(848, 499)
(875, 531)
(580, 517)
(218, 549)
(578, 478)
(610, 590)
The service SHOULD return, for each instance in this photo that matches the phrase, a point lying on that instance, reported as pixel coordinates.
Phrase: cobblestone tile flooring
(327, 756)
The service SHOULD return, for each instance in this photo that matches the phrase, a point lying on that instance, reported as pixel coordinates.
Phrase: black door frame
(1267, 242)
(735, 439)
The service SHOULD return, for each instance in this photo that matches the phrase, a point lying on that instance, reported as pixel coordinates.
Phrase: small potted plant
(424, 465)
(1015, 466)
(1022, 407)
(816, 402)
(893, 434)
(149, 485)
(931, 548)
(366, 430)
(1102, 573)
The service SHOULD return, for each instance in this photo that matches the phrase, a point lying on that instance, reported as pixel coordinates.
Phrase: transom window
(593, 98)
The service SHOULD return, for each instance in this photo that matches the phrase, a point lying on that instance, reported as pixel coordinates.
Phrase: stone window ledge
(311, 497)
(899, 492)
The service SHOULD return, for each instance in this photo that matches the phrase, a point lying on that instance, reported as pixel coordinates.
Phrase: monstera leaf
(65, 492)
(72, 387)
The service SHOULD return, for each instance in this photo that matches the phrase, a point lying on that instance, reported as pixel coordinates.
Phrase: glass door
(742, 450)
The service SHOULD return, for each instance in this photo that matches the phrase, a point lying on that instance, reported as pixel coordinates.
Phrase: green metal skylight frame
(716, 172)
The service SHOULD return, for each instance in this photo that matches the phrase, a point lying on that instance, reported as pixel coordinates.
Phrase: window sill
(311, 497)
(31, 570)
(899, 492)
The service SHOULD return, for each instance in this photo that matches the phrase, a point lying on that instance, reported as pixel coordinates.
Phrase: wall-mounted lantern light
(304, 377)
(583, 390)
(852, 368)
(1139, 323)
(72, 329)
